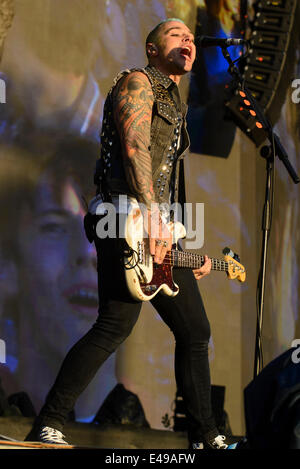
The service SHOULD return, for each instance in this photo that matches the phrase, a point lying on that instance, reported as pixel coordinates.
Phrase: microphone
(207, 41)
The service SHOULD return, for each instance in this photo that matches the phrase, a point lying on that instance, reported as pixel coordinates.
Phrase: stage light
(267, 67)
(242, 113)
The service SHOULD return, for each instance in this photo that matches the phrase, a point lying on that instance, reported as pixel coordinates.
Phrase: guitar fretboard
(195, 261)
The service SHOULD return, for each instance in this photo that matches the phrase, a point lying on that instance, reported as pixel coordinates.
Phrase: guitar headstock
(235, 269)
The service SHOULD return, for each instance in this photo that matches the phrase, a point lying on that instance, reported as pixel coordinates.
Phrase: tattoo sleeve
(133, 102)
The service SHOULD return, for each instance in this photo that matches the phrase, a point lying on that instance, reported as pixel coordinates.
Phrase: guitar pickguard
(162, 279)
(145, 279)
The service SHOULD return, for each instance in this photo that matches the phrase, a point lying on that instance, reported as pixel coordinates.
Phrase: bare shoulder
(135, 82)
(138, 78)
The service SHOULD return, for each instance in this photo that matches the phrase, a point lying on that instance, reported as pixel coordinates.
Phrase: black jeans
(118, 312)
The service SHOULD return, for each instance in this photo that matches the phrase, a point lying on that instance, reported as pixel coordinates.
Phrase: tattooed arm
(133, 102)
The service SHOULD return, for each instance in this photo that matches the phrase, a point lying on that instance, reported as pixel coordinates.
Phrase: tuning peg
(229, 252)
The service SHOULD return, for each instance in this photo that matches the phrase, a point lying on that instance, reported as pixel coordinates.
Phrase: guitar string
(185, 260)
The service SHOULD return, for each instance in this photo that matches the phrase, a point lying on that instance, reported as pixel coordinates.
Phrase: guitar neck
(195, 261)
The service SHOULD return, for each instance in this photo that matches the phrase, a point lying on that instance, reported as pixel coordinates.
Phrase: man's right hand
(160, 237)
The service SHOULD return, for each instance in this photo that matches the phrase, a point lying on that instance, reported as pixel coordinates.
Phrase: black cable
(133, 255)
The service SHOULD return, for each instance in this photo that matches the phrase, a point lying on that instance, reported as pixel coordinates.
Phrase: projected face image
(58, 294)
(58, 268)
(49, 272)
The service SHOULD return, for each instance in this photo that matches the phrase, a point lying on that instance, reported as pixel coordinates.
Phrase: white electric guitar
(146, 278)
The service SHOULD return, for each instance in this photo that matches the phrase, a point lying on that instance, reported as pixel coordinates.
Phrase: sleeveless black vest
(169, 140)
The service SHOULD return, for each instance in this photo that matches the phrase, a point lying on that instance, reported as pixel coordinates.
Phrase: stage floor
(93, 436)
(96, 436)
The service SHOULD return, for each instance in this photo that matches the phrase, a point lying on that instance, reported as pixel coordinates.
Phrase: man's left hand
(204, 270)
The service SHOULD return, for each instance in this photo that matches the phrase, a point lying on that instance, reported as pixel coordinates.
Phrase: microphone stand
(269, 153)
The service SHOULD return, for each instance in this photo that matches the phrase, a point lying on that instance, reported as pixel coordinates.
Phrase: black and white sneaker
(51, 436)
(216, 443)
